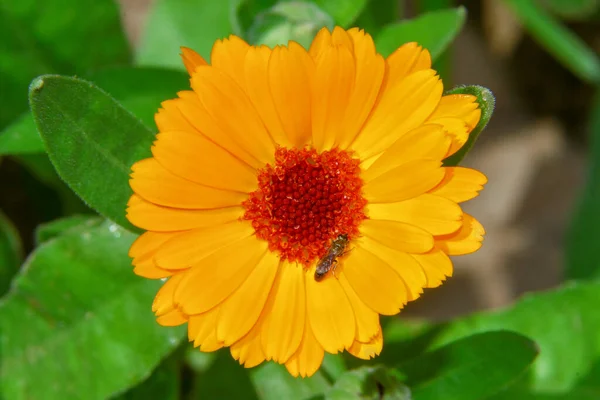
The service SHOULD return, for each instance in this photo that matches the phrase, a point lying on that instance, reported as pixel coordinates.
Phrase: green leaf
(174, 23)
(83, 126)
(573, 9)
(377, 14)
(369, 383)
(435, 31)
(77, 322)
(558, 40)
(486, 101)
(474, 367)
(344, 12)
(582, 257)
(273, 382)
(128, 85)
(163, 384)
(73, 223)
(564, 323)
(216, 381)
(11, 252)
(42, 37)
(295, 20)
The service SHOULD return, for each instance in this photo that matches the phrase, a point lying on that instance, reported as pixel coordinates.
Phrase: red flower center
(305, 201)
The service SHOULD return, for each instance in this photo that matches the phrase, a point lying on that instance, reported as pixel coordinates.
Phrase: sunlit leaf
(369, 383)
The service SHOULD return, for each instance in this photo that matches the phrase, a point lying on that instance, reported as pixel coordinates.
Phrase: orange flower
(274, 155)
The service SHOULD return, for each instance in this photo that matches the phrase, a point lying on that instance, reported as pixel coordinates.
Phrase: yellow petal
(172, 318)
(333, 81)
(407, 59)
(374, 281)
(425, 142)
(257, 86)
(404, 182)
(309, 356)
(330, 313)
(213, 279)
(290, 76)
(437, 215)
(148, 269)
(156, 184)
(403, 106)
(241, 310)
(398, 235)
(192, 109)
(460, 184)
(164, 219)
(367, 350)
(187, 249)
(436, 265)
(467, 240)
(370, 69)
(233, 112)
(191, 59)
(367, 320)
(228, 56)
(202, 330)
(164, 300)
(248, 350)
(407, 268)
(142, 251)
(198, 159)
(170, 118)
(284, 314)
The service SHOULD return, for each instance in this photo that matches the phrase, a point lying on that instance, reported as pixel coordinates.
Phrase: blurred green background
(75, 323)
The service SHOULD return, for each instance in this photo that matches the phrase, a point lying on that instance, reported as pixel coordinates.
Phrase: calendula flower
(275, 155)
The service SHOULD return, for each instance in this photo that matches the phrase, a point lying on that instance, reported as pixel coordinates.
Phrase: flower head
(279, 161)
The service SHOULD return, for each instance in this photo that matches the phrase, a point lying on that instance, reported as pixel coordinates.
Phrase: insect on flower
(329, 260)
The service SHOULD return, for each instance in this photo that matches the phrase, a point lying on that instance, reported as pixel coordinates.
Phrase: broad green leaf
(139, 90)
(563, 322)
(558, 40)
(163, 384)
(79, 223)
(369, 383)
(377, 14)
(273, 382)
(573, 9)
(295, 20)
(83, 126)
(487, 102)
(471, 368)
(50, 36)
(435, 31)
(343, 12)
(175, 23)
(11, 252)
(224, 379)
(333, 366)
(582, 257)
(78, 323)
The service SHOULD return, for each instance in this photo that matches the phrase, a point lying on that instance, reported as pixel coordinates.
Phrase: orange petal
(374, 281)
(187, 249)
(309, 356)
(404, 182)
(367, 350)
(398, 235)
(198, 159)
(156, 184)
(233, 112)
(436, 265)
(330, 313)
(142, 251)
(284, 314)
(214, 278)
(191, 59)
(248, 350)
(333, 81)
(290, 75)
(151, 217)
(467, 240)
(241, 310)
(202, 330)
(425, 142)
(164, 300)
(407, 59)
(172, 318)
(460, 184)
(321, 42)
(228, 56)
(403, 106)
(367, 320)
(437, 215)
(170, 118)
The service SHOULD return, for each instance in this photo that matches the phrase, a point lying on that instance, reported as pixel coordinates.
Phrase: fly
(329, 260)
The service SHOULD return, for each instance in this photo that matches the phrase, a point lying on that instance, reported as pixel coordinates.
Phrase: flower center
(305, 201)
